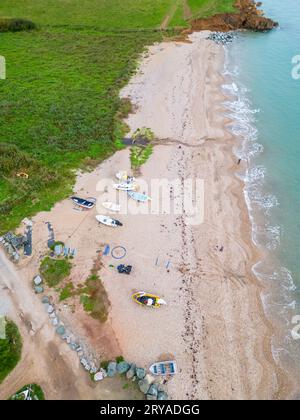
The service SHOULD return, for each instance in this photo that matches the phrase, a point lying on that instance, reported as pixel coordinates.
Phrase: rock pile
(87, 360)
(222, 37)
(146, 382)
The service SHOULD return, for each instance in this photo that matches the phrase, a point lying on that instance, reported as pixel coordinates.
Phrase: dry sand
(214, 325)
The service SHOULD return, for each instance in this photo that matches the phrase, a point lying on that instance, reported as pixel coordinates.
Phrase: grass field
(59, 106)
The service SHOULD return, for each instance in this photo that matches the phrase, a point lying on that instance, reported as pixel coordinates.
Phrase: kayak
(111, 206)
(164, 368)
(124, 186)
(83, 203)
(138, 196)
(108, 221)
(147, 299)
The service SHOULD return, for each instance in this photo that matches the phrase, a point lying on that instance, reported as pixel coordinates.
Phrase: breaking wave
(279, 298)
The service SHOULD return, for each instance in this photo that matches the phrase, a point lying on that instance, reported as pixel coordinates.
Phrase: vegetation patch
(94, 298)
(55, 271)
(10, 349)
(206, 8)
(139, 155)
(67, 292)
(29, 392)
(16, 25)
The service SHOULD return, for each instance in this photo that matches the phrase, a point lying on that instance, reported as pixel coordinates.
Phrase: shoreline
(283, 383)
(182, 99)
(287, 384)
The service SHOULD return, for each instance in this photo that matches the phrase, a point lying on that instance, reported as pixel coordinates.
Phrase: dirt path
(46, 359)
(187, 13)
(167, 19)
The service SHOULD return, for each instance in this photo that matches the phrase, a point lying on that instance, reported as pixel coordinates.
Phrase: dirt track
(46, 359)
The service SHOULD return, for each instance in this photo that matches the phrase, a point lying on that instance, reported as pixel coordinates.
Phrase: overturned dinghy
(164, 368)
(111, 206)
(142, 198)
(147, 299)
(108, 221)
(81, 202)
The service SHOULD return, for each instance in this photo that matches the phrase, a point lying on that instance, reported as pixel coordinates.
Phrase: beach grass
(10, 349)
(55, 271)
(59, 105)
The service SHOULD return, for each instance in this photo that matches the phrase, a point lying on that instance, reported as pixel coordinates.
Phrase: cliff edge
(248, 16)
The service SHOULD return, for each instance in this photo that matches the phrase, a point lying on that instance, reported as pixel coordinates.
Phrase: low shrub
(16, 25)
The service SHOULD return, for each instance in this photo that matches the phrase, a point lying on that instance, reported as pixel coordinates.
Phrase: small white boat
(108, 221)
(124, 186)
(111, 206)
(164, 368)
(138, 196)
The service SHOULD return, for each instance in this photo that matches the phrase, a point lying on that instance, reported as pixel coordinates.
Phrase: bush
(54, 271)
(16, 25)
(35, 393)
(10, 350)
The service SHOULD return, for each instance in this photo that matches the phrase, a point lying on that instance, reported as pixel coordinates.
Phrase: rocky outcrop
(248, 16)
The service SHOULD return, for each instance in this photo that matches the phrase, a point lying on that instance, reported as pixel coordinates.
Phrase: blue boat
(164, 368)
(138, 196)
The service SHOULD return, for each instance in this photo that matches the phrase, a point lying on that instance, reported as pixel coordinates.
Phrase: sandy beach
(214, 324)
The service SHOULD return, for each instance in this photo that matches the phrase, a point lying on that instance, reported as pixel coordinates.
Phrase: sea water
(266, 117)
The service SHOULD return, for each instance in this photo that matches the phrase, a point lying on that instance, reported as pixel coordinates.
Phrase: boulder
(98, 377)
(45, 299)
(111, 369)
(144, 386)
(151, 397)
(37, 280)
(38, 289)
(162, 396)
(140, 373)
(153, 390)
(50, 309)
(55, 322)
(146, 383)
(131, 372)
(123, 367)
(60, 330)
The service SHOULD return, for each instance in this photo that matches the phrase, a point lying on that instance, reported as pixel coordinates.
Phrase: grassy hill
(59, 106)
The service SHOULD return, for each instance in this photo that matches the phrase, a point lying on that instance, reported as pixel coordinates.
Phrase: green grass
(10, 350)
(206, 8)
(55, 271)
(59, 106)
(35, 392)
(66, 292)
(139, 155)
(105, 14)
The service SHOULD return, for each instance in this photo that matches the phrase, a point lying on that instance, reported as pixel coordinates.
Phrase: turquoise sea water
(266, 111)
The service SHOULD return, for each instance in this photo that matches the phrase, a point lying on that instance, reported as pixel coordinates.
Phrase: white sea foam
(279, 298)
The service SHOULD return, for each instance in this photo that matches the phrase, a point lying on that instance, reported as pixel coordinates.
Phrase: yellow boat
(147, 299)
